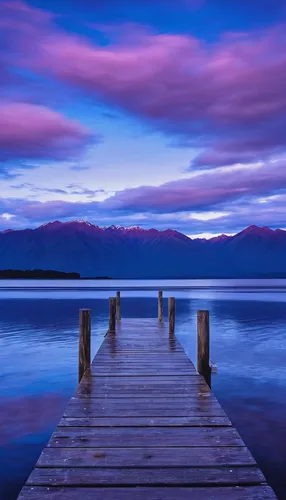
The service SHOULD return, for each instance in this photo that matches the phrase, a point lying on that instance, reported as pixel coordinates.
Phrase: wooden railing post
(84, 342)
(112, 314)
(203, 328)
(171, 311)
(118, 313)
(160, 306)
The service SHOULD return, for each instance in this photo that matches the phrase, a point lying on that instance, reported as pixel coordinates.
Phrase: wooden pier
(144, 425)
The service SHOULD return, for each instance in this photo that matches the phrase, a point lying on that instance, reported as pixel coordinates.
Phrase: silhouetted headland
(44, 274)
(37, 274)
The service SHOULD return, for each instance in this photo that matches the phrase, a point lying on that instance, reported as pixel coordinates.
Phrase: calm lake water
(38, 359)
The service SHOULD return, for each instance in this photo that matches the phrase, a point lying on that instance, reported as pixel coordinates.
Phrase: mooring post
(112, 314)
(171, 310)
(160, 306)
(118, 314)
(203, 327)
(84, 342)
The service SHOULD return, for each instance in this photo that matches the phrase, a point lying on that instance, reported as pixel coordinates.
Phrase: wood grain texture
(112, 314)
(138, 476)
(118, 306)
(203, 330)
(144, 425)
(160, 306)
(140, 457)
(73, 437)
(171, 313)
(148, 493)
(198, 421)
(84, 342)
(80, 408)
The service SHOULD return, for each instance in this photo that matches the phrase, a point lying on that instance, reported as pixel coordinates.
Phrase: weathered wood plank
(122, 353)
(150, 371)
(140, 476)
(140, 349)
(84, 342)
(149, 493)
(183, 380)
(118, 312)
(203, 340)
(80, 409)
(118, 380)
(142, 342)
(193, 388)
(189, 383)
(133, 360)
(140, 457)
(146, 421)
(72, 437)
(133, 357)
(168, 402)
(112, 314)
(141, 393)
(140, 370)
(159, 347)
(171, 314)
(142, 416)
(193, 384)
(160, 306)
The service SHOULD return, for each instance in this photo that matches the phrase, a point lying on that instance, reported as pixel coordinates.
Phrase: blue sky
(156, 113)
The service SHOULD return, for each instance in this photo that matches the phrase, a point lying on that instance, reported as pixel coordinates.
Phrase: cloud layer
(224, 97)
(230, 198)
(29, 131)
(206, 191)
(227, 98)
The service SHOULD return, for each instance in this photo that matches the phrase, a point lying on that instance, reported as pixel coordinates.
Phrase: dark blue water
(38, 360)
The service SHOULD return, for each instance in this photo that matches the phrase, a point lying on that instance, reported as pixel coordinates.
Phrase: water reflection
(38, 359)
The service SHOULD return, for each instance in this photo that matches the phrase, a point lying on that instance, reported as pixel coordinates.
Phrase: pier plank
(144, 437)
(199, 421)
(150, 493)
(143, 424)
(140, 457)
(155, 476)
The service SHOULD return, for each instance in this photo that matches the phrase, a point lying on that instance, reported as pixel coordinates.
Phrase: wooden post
(84, 342)
(118, 314)
(203, 328)
(171, 310)
(112, 314)
(160, 306)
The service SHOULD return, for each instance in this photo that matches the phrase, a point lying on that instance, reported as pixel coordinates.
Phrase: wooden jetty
(144, 425)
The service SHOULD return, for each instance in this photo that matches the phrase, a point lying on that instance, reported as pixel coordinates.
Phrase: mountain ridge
(134, 252)
(249, 229)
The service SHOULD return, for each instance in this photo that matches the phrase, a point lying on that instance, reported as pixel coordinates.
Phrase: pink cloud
(182, 85)
(31, 131)
(227, 97)
(231, 188)
(235, 193)
(190, 194)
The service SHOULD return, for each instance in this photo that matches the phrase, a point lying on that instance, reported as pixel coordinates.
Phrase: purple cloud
(29, 131)
(225, 97)
(242, 196)
(205, 191)
(33, 213)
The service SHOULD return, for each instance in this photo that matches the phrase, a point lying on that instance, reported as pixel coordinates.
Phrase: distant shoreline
(39, 274)
(47, 275)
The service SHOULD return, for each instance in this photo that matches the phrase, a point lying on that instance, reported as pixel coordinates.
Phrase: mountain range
(133, 252)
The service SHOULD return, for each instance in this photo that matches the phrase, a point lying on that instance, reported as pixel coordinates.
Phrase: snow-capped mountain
(133, 252)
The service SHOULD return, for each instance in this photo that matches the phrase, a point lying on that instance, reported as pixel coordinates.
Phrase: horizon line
(196, 236)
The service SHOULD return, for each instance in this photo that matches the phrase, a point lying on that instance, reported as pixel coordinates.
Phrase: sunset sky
(157, 113)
